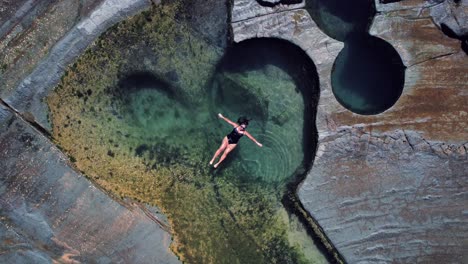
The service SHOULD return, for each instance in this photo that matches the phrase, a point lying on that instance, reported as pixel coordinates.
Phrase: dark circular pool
(368, 75)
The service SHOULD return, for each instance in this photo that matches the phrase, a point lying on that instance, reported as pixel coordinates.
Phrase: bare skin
(225, 146)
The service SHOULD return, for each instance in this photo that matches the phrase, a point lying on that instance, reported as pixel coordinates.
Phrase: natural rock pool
(368, 74)
(137, 113)
(276, 84)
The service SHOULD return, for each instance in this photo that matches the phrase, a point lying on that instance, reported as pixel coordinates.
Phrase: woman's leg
(223, 146)
(229, 148)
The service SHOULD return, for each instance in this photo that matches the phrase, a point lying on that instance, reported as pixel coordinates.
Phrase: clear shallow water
(276, 84)
(278, 87)
(149, 127)
(278, 126)
(261, 88)
(138, 112)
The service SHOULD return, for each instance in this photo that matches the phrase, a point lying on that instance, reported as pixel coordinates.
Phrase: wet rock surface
(30, 30)
(35, 55)
(394, 196)
(454, 14)
(450, 16)
(51, 213)
(245, 9)
(393, 186)
(385, 188)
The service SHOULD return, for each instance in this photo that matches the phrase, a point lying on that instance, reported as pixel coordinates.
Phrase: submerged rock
(28, 79)
(384, 188)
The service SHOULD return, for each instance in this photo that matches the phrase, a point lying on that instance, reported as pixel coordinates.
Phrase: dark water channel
(138, 113)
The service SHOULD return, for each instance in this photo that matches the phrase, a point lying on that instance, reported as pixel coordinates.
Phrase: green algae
(151, 140)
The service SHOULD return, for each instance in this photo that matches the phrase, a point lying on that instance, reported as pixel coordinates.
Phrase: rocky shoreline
(377, 180)
(79, 222)
(383, 188)
(27, 96)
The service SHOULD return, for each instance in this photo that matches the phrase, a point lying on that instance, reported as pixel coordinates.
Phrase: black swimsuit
(234, 136)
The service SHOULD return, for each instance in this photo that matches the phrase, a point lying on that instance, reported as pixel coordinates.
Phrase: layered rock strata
(393, 186)
(36, 49)
(245, 9)
(50, 213)
(385, 188)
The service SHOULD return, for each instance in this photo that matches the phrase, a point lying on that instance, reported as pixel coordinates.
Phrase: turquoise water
(146, 126)
(155, 106)
(277, 88)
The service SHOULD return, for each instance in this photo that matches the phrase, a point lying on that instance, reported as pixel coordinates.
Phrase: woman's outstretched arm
(252, 138)
(227, 120)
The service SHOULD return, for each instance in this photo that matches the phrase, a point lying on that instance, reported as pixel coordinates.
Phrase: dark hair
(243, 120)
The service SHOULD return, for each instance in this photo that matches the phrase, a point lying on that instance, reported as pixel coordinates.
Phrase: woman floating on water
(230, 141)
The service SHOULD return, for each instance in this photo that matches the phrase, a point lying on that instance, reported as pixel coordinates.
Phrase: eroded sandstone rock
(245, 9)
(51, 213)
(393, 186)
(30, 74)
(394, 196)
(385, 187)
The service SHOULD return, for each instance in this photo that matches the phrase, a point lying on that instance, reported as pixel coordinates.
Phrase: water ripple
(274, 162)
